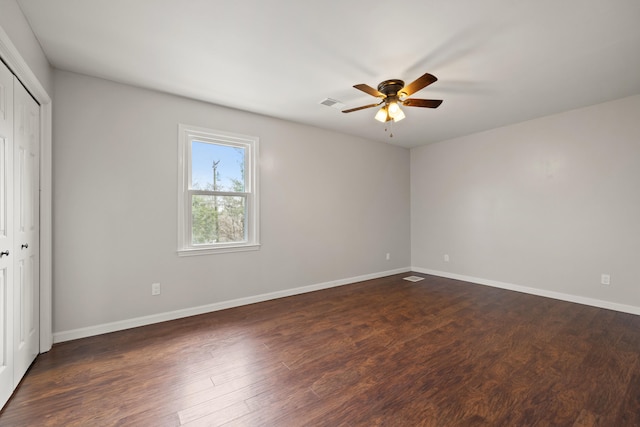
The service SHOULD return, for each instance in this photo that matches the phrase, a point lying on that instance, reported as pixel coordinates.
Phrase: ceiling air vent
(330, 102)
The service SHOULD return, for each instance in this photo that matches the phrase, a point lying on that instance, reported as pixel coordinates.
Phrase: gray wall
(548, 204)
(332, 206)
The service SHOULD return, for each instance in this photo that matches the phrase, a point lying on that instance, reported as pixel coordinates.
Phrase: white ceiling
(497, 61)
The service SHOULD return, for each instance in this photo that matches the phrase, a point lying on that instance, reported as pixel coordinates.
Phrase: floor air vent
(413, 278)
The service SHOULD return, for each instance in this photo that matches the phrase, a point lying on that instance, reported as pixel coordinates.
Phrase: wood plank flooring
(386, 352)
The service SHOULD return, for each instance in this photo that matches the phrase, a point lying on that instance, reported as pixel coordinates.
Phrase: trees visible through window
(218, 196)
(219, 215)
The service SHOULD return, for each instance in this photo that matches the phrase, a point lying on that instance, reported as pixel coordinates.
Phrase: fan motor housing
(391, 87)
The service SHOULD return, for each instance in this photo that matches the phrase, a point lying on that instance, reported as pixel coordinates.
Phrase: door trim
(11, 56)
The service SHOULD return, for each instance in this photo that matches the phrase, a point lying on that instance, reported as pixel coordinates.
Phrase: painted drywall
(549, 204)
(13, 22)
(332, 206)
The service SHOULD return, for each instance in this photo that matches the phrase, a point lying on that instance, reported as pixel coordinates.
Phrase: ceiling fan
(394, 93)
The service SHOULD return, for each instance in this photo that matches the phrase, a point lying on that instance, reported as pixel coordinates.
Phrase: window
(218, 191)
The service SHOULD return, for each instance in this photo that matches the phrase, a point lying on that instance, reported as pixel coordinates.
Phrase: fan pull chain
(390, 127)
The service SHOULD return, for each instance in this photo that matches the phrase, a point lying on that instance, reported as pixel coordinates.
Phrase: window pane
(217, 219)
(217, 167)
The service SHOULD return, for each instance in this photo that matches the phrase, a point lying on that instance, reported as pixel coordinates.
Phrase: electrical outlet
(605, 279)
(388, 256)
(446, 257)
(155, 289)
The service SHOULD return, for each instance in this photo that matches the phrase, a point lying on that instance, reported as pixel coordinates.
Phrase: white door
(6, 234)
(26, 277)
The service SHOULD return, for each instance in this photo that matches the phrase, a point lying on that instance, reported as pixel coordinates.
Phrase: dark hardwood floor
(383, 352)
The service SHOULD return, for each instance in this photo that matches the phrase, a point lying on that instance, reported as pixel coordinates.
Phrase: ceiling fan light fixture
(382, 115)
(395, 112)
(399, 115)
(394, 93)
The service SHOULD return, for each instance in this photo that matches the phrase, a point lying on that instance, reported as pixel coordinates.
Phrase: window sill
(218, 250)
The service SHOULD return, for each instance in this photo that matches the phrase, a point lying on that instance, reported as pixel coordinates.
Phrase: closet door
(26, 168)
(6, 234)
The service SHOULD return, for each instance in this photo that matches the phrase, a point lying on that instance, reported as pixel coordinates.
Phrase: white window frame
(186, 135)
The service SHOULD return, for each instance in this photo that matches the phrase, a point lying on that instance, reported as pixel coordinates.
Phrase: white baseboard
(194, 311)
(534, 291)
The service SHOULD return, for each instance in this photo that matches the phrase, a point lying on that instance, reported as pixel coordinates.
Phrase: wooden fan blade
(427, 103)
(351, 110)
(420, 83)
(369, 90)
